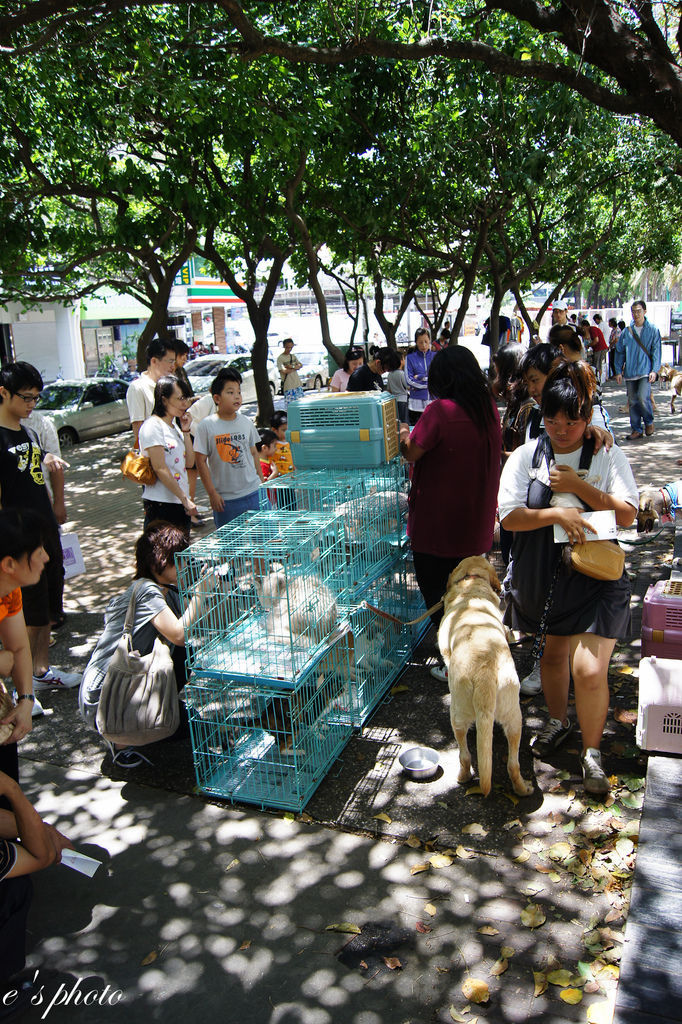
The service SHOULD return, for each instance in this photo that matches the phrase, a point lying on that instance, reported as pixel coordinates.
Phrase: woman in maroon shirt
(456, 449)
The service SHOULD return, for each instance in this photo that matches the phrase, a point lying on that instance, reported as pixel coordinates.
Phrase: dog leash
(399, 622)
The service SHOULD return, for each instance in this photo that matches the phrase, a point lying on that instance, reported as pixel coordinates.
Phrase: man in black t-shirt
(22, 486)
(368, 377)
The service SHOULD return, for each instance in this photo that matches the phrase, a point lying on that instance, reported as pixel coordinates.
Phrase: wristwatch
(26, 696)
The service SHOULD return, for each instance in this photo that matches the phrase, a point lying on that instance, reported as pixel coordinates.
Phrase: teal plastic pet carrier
(344, 428)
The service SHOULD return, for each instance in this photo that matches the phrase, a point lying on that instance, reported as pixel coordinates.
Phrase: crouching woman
(549, 482)
(157, 614)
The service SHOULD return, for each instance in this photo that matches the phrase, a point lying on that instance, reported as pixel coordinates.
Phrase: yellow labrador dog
(484, 686)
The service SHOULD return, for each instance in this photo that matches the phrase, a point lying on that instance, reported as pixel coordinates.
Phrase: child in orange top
(282, 458)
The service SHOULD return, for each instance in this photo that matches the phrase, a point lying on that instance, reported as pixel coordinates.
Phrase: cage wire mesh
(278, 579)
(267, 745)
(372, 503)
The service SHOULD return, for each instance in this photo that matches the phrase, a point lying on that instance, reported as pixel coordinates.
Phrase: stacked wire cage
(301, 627)
(269, 698)
(372, 503)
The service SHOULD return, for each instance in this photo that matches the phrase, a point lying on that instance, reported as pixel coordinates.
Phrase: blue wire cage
(274, 582)
(262, 744)
(372, 503)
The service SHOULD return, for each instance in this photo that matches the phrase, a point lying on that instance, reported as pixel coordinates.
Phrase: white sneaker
(532, 685)
(55, 679)
(37, 708)
(440, 672)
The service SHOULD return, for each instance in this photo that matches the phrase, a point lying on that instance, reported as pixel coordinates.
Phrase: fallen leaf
(289, 817)
(399, 688)
(561, 978)
(626, 716)
(443, 970)
(512, 824)
(430, 909)
(233, 864)
(393, 962)
(475, 829)
(488, 929)
(440, 860)
(507, 952)
(554, 877)
(413, 841)
(150, 958)
(382, 816)
(600, 1013)
(533, 916)
(512, 799)
(571, 995)
(416, 868)
(499, 967)
(245, 944)
(540, 979)
(464, 854)
(625, 847)
(558, 851)
(568, 827)
(305, 818)
(363, 964)
(457, 1016)
(592, 986)
(441, 803)
(625, 670)
(423, 928)
(344, 926)
(522, 857)
(474, 791)
(476, 990)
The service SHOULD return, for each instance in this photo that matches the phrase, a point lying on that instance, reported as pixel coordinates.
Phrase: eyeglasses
(27, 398)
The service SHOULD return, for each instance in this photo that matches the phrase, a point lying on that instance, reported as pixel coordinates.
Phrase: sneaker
(440, 672)
(551, 736)
(55, 679)
(203, 510)
(129, 757)
(531, 685)
(593, 774)
(37, 710)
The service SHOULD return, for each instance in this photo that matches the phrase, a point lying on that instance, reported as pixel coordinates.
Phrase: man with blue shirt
(639, 349)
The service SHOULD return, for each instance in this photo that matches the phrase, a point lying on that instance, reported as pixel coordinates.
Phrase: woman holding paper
(543, 485)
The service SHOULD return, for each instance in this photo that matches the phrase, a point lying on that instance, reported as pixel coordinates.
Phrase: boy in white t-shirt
(226, 453)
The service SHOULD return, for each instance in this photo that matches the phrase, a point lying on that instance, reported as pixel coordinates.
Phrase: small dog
(484, 686)
(656, 504)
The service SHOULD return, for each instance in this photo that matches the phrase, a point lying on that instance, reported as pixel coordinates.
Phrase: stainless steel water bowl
(419, 762)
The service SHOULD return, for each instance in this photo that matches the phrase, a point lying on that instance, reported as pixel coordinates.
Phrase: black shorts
(43, 601)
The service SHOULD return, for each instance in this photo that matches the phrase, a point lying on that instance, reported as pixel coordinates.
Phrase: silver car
(201, 371)
(81, 409)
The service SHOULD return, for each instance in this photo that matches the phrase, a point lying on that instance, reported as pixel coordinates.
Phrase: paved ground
(203, 907)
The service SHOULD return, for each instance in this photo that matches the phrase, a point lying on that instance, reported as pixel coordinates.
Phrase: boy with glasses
(22, 486)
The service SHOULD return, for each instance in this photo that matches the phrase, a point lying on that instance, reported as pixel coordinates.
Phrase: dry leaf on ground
(488, 929)
(571, 995)
(382, 816)
(464, 854)
(245, 944)
(476, 990)
(562, 978)
(507, 952)
(413, 841)
(344, 926)
(416, 868)
(430, 909)
(440, 860)
(499, 967)
(150, 958)
(533, 916)
(475, 829)
(393, 963)
(540, 979)
(522, 857)
(423, 928)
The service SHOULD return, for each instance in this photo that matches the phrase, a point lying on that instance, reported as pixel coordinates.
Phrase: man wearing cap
(639, 348)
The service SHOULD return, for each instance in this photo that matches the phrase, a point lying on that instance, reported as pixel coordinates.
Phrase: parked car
(81, 409)
(202, 370)
(315, 372)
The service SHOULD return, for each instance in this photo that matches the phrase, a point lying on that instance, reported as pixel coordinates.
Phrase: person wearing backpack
(639, 348)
